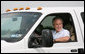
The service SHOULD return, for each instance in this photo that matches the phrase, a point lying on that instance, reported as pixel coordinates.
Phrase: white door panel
(63, 47)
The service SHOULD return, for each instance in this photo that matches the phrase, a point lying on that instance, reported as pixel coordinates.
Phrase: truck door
(45, 22)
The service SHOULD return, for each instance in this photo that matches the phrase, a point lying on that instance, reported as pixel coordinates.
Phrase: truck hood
(4, 45)
(9, 46)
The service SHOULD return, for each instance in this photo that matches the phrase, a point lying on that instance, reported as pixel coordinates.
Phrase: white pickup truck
(28, 30)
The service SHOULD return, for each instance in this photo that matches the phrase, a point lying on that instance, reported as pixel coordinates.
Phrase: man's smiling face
(58, 24)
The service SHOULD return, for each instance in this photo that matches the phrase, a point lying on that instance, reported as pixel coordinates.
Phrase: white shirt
(60, 34)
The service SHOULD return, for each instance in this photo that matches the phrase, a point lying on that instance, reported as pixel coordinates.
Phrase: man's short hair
(56, 19)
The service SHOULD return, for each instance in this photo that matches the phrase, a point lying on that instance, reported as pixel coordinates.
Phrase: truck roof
(44, 9)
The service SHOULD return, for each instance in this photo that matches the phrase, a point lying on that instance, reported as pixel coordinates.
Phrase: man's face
(58, 25)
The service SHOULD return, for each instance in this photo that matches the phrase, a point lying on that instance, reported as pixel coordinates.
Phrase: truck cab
(28, 30)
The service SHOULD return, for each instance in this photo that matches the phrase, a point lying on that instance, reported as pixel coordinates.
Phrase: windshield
(14, 26)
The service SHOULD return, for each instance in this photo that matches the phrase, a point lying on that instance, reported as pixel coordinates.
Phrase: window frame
(71, 19)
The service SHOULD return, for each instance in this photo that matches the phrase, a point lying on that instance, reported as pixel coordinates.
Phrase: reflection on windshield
(14, 26)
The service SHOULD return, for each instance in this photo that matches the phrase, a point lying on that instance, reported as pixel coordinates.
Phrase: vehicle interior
(82, 15)
(47, 24)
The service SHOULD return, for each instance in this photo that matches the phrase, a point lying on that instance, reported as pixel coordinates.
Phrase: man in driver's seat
(59, 34)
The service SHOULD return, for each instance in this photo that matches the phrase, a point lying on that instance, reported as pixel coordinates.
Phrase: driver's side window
(43, 37)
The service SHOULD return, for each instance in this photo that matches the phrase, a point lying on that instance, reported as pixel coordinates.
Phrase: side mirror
(47, 38)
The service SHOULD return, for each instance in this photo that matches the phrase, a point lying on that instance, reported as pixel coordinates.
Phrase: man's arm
(62, 39)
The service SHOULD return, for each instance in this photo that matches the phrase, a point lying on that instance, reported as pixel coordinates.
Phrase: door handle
(74, 50)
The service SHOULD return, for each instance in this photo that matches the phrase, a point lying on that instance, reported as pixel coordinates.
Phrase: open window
(42, 36)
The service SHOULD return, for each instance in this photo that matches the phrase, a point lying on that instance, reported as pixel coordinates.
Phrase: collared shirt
(60, 34)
